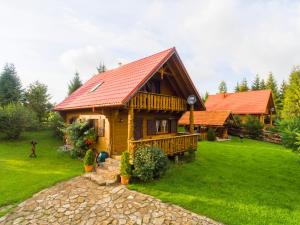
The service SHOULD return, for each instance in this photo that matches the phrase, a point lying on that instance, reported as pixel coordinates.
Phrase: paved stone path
(81, 201)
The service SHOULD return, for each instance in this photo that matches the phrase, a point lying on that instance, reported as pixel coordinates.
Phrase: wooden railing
(152, 101)
(170, 145)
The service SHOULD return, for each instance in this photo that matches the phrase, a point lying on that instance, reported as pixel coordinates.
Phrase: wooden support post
(192, 119)
(130, 124)
(271, 119)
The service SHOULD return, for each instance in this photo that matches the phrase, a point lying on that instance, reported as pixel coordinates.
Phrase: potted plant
(88, 160)
(125, 168)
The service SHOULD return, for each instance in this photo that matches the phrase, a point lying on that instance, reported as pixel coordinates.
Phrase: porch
(170, 145)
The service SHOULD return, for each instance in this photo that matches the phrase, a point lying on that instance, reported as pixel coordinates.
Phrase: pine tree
(205, 97)
(37, 99)
(101, 68)
(74, 84)
(291, 103)
(10, 86)
(237, 87)
(262, 85)
(244, 85)
(222, 87)
(272, 85)
(256, 83)
(281, 95)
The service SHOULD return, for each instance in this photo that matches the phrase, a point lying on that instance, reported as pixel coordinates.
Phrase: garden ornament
(33, 143)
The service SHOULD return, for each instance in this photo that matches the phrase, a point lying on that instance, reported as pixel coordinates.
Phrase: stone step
(101, 180)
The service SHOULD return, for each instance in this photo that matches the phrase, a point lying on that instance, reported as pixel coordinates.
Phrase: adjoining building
(257, 103)
(219, 121)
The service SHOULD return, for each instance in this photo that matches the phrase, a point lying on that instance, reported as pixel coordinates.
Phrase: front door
(138, 128)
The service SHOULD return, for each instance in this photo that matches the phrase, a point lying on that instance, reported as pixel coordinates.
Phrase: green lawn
(21, 176)
(235, 183)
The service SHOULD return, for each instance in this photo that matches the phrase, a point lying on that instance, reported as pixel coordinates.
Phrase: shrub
(88, 158)
(237, 120)
(56, 123)
(211, 135)
(288, 130)
(14, 119)
(82, 137)
(149, 163)
(298, 141)
(125, 165)
(253, 126)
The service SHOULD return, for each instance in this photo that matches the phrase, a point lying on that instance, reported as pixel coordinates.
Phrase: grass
(235, 183)
(22, 176)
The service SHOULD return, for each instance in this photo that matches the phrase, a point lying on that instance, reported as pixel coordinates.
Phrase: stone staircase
(108, 173)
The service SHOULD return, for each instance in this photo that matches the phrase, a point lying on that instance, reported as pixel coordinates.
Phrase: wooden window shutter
(173, 127)
(151, 129)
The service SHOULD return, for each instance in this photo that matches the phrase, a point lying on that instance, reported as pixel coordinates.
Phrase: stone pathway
(81, 201)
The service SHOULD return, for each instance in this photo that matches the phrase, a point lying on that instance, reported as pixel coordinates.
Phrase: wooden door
(138, 128)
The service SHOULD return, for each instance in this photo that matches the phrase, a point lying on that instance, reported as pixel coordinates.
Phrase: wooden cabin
(219, 121)
(256, 103)
(136, 104)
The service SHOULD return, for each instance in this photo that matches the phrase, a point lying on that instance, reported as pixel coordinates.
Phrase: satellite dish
(191, 100)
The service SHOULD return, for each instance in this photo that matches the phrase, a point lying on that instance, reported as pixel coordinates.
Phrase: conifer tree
(74, 84)
(222, 87)
(272, 85)
(256, 83)
(101, 68)
(244, 85)
(262, 85)
(237, 87)
(205, 97)
(281, 95)
(291, 103)
(10, 85)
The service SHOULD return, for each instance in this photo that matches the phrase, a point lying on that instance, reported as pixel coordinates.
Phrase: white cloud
(217, 40)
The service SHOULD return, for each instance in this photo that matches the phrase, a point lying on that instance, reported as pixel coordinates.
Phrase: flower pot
(124, 180)
(88, 168)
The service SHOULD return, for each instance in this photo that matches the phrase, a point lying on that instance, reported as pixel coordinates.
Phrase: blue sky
(217, 40)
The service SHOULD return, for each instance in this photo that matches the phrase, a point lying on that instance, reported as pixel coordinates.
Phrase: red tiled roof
(250, 102)
(118, 85)
(213, 118)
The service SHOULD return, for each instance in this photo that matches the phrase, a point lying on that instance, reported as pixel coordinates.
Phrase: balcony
(152, 101)
(170, 145)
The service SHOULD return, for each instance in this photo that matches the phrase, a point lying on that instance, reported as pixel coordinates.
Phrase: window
(161, 126)
(101, 129)
(99, 126)
(96, 87)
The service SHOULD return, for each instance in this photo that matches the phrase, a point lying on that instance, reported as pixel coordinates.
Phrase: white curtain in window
(157, 123)
(164, 125)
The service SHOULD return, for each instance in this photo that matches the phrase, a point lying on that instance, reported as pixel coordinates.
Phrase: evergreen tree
(222, 87)
(262, 85)
(101, 68)
(10, 86)
(256, 83)
(272, 85)
(237, 87)
(281, 95)
(244, 86)
(291, 103)
(74, 84)
(37, 99)
(205, 97)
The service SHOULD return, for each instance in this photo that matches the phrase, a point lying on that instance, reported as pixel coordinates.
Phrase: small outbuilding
(220, 121)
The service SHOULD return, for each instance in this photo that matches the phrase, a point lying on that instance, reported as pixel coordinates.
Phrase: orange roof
(117, 86)
(213, 118)
(250, 102)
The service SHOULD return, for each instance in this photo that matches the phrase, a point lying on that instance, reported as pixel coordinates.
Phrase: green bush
(56, 123)
(237, 120)
(14, 119)
(149, 163)
(288, 130)
(82, 137)
(298, 141)
(88, 158)
(125, 165)
(253, 126)
(211, 134)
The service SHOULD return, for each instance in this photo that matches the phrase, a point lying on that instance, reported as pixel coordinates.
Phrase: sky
(226, 40)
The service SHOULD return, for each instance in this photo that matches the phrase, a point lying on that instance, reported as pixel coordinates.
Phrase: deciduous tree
(222, 87)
